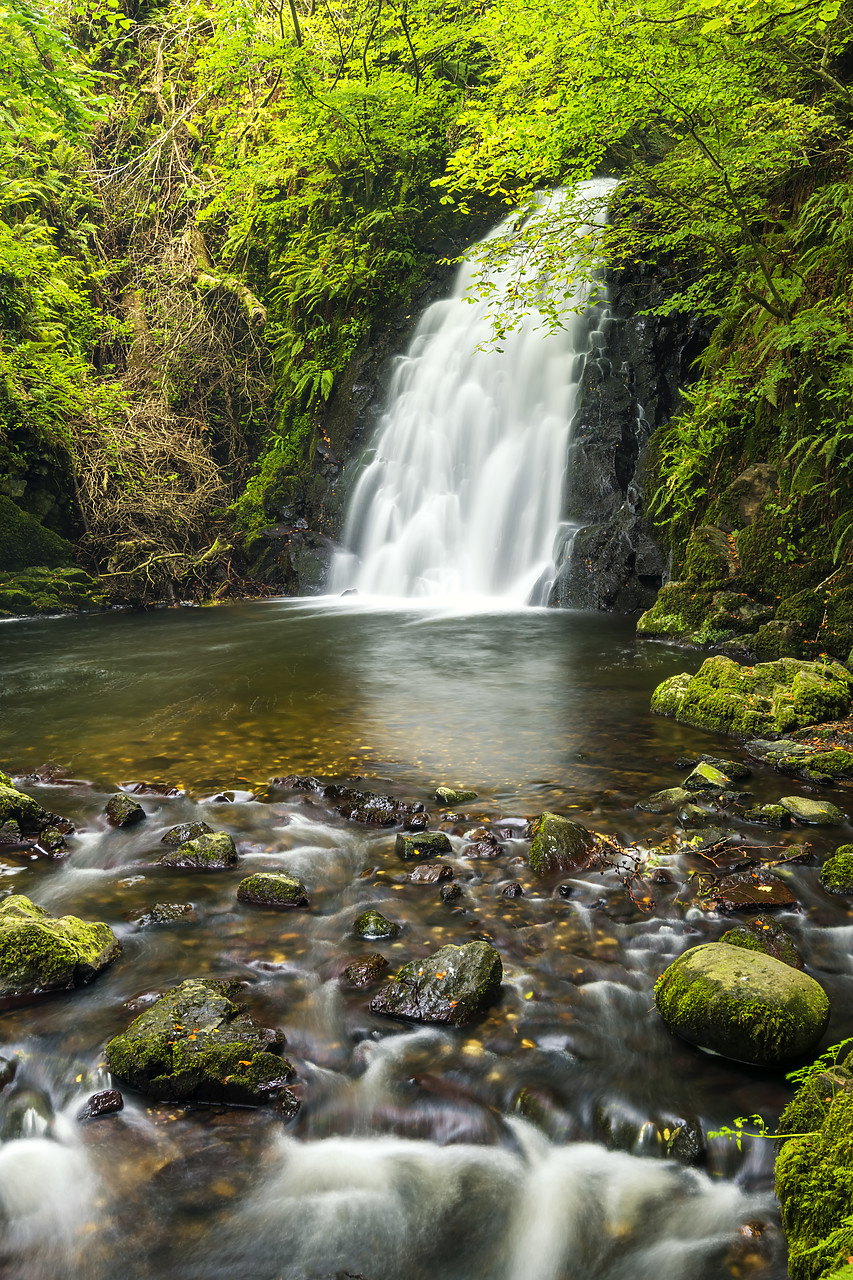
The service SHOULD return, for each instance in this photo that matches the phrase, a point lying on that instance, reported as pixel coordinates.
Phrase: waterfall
(465, 489)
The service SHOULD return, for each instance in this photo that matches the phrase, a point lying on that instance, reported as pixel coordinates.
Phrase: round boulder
(371, 924)
(742, 1004)
(272, 889)
(836, 874)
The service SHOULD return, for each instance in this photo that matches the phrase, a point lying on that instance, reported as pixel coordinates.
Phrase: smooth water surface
(528, 1146)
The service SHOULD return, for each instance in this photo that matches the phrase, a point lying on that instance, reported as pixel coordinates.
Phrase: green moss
(836, 874)
(678, 611)
(282, 472)
(15, 806)
(558, 844)
(39, 952)
(45, 590)
(24, 541)
(710, 557)
(272, 889)
(837, 764)
(371, 924)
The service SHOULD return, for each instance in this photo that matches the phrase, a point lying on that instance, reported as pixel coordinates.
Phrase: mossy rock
(667, 801)
(558, 845)
(216, 852)
(765, 935)
(769, 815)
(185, 831)
(372, 924)
(452, 986)
(836, 631)
(814, 1175)
(24, 541)
(40, 952)
(706, 777)
(815, 813)
(195, 1044)
(710, 557)
(778, 639)
(834, 764)
(365, 971)
(272, 889)
(47, 590)
(742, 1004)
(123, 811)
(421, 845)
(450, 795)
(773, 697)
(16, 806)
(678, 612)
(836, 874)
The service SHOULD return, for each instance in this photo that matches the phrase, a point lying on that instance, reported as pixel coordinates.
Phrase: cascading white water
(463, 496)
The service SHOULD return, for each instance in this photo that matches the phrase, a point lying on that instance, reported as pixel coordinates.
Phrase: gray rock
(452, 986)
(742, 1004)
(818, 813)
(186, 831)
(665, 801)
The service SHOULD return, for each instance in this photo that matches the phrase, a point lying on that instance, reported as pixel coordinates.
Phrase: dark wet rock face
(366, 970)
(369, 807)
(452, 986)
(558, 844)
(195, 1044)
(371, 924)
(186, 831)
(742, 1004)
(215, 852)
(121, 811)
(40, 952)
(272, 889)
(751, 891)
(450, 892)
(764, 934)
(422, 846)
(106, 1103)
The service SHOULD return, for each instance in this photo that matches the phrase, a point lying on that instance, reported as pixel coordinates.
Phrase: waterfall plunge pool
(529, 1146)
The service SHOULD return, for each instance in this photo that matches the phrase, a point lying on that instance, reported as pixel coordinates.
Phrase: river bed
(528, 1146)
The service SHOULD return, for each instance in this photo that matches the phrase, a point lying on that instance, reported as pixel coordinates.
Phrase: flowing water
(531, 1145)
(464, 492)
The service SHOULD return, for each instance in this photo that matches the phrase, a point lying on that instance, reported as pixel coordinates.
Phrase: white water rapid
(464, 493)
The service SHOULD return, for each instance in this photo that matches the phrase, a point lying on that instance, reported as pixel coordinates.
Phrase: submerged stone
(166, 913)
(771, 697)
(449, 796)
(371, 924)
(751, 891)
(666, 801)
(195, 1044)
(742, 1004)
(121, 811)
(817, 813)
(40, 952)
(272, 889)
(422, 845)
(836, 874)
(214, 852)
(366, 970)
(764, 934)
(431, 873)
(185, 831)
(450, 892)
(558, 844)
(452, 986)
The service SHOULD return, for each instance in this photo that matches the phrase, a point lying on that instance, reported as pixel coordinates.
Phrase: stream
(530, 1145)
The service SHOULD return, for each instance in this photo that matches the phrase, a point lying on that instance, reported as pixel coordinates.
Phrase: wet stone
(450, 892)
(819, 813)
(164, 789)
(366, 970)
(558, 844)
(513, 890)
(105, 1103)
(765, 934)
(121, 811)
(272, 889)
(416, 822)
(666, 801)
(422, 846)
(298, 782)
(8, 1068)
(196, 1044)
(706, 778)
(451, 796)
(452, 986)
(686, 1144)
(735, 770)
(431, 873)
(40, 952)
(19, 808)
(166, 913)
(482, 849)
(371, 924)
(52, 843)
(769, 815)
(185, 831)
(836, 874)
(751, 891)
(215, 852)
(369, 807)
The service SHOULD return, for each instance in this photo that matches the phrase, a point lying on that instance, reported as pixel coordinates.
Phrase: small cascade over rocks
(464, 493)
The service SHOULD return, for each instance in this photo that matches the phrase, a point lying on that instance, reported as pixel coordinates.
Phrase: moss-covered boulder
(765, 935)
(25, 542)
(16, 806)
(452, 986)
(32, 591)
(454, 795)
(216, 852)
(768, 815)
(815, 813)
(422, 845)
(836, 874)
(679, 612)
(706, 777)
(40, 952)
(273, 889)
(558, 845)
(195, 1044)
(185, 831)
(123, 811)
(814, 1174)
(372, 924)
(667, 801)
(772, 697)
(742, 1004)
